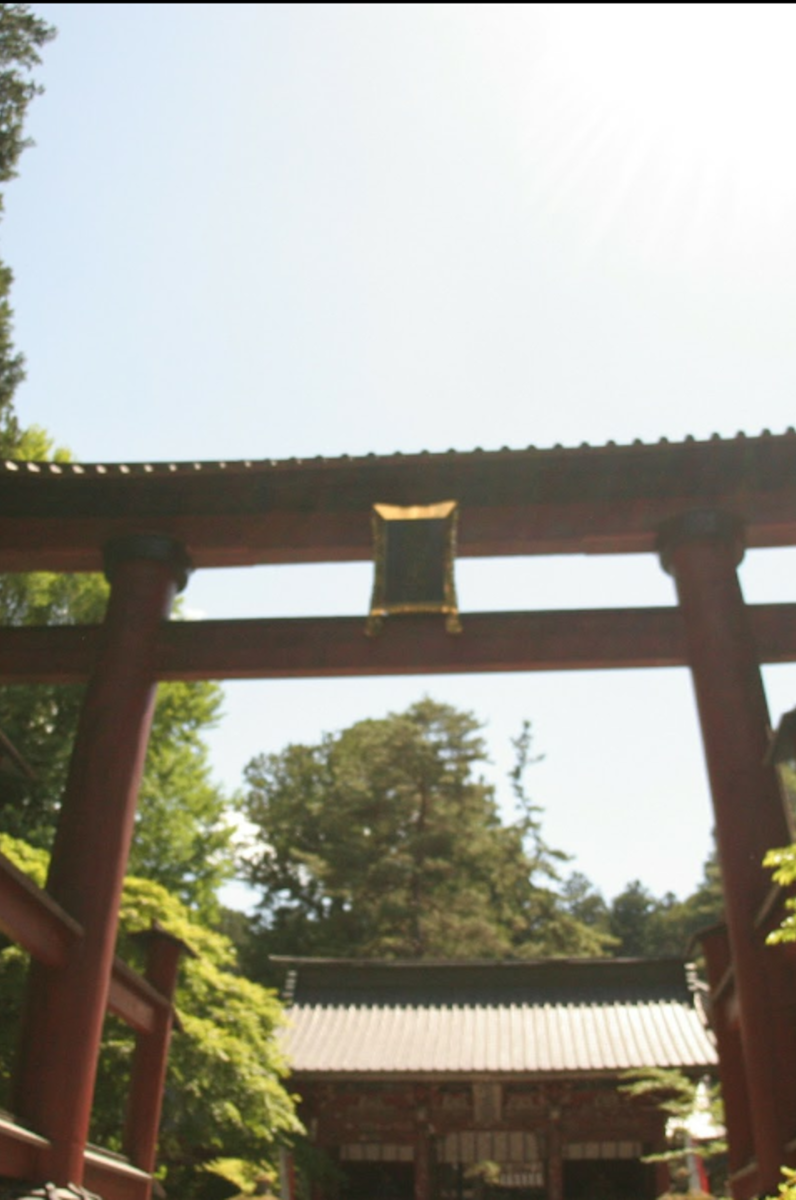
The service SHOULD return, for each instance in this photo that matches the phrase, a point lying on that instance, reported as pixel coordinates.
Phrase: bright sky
(263, 230)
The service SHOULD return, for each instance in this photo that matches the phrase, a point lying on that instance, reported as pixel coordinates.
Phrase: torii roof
(596, 499)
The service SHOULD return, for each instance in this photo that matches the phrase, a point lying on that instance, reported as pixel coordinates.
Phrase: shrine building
(431, 1080)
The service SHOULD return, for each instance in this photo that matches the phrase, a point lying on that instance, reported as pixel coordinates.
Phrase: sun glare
(676, 116)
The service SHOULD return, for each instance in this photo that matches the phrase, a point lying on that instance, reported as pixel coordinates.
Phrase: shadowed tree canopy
(645, 925)
(384, 840)
(22, 35)
(641, 925)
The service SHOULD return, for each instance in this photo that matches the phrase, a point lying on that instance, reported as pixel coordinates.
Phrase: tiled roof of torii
(609, 499)
(67, 469)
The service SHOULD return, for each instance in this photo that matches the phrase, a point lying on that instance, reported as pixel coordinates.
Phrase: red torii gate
(697, 504)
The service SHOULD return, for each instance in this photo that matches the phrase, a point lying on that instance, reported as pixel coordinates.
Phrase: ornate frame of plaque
(414, 548)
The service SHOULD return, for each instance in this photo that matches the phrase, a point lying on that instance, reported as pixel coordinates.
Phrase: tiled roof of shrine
(551, 1017)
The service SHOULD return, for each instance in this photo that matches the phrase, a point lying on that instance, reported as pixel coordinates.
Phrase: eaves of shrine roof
(542, 1018)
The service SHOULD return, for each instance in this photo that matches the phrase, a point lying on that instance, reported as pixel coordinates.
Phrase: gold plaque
(414, 549)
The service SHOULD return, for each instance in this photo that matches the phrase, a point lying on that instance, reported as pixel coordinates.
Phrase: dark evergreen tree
(22, 35)
(633, 920)
(383, 840)
(645, 925)
(585, 903)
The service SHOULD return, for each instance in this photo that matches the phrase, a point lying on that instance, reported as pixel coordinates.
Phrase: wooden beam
(133, 999)
(24, 651)
(24, 1156)
(32, 919)
(115, 1179)
(322, 647)
(22, 1152)
(597, 500)
(419, 645)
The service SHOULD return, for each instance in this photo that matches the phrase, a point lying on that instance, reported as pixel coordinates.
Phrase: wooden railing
(32, 919)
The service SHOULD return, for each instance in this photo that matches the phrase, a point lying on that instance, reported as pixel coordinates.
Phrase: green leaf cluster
(782, 862)
(680, 1097)
(783, 865)
(183, 838)
(250, 1178)
(787, 1188)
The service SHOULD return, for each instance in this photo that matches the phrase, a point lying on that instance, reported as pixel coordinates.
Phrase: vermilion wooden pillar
(423, 1146)
(65, 1007)
(732, 1073)
(422, 1189)
(701, 550)
(663, 1176)
(555, 1159)
(151, 1053)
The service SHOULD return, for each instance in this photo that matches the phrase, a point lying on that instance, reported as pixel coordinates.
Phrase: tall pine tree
(384, 841)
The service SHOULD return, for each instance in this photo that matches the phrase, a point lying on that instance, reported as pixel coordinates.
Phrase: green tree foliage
(787, 775)
(695, 1125)
(636, 920)
(637, 923)
(22, 35)
(182, 835)
(384, 841)
(782, 862)
(644, 925)
(224, 1092)
(586, 904)
(703, 908)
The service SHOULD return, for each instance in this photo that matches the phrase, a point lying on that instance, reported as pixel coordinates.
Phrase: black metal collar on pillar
(699, 525)
(155, 547)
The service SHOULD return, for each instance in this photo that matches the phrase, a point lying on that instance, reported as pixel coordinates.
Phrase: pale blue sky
(269, 230)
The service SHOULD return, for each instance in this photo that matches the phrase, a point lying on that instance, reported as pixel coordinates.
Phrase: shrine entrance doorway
(604, 1179)
(378, 1181)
